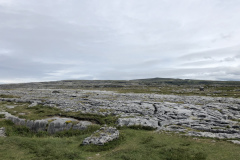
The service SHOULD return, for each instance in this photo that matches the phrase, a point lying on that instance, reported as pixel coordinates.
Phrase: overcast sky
(44, 40)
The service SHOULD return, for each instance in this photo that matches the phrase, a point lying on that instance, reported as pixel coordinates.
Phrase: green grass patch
(141, 145)
(138, 127)
(237, 120)
(2, 115)
(133, 144)
(40, 148)
(34, 113)
(41, 112)
(8, 96)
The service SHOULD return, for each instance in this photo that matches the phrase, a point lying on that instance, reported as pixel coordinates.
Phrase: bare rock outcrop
(205, 116)
(139, 121)
(51, 125)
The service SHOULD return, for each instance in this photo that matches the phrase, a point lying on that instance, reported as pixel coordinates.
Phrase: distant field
(154, 85)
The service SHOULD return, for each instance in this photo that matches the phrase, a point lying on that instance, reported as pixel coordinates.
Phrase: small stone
(33, 104)
(2, 132)
(10, 107)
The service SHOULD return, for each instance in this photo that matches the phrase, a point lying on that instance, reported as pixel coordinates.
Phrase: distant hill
(71, 84)
(172, 81)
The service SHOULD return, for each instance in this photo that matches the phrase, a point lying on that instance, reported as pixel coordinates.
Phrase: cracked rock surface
(191, 115)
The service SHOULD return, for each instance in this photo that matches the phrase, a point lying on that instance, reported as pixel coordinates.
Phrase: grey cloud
(229, 59)
(11, 67)
(210, 53)
(217, 73)
(198, 63)
(89, 39)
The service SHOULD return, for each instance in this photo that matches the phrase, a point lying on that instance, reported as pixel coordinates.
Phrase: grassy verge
(132, 145)
(139, 144)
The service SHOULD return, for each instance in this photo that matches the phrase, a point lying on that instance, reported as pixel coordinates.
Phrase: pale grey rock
(215, 115)
(235, 141)
(6, 114)
(2, 132)
(137, 121)
(29, 124)
(82, 125)
(56, 126)
(39, 125)
(102, 136)
(214, 135)
(10, 107)
(16, 120)
(59, 124)
(33, 104)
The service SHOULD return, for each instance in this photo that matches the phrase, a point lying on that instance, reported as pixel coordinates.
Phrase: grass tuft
(2, 115)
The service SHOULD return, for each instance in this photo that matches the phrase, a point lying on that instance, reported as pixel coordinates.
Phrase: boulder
(16, 120)
(81, 125)
(33, 104)
(61, 124)
(39, 125)
(57, 126)
(29, 124)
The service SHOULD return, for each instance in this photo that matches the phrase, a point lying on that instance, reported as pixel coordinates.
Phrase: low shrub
(72, 132)
(8, 96)
(139, 127)
(2, 115)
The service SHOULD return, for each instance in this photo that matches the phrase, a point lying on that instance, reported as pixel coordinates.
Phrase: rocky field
(138, 119)
(190, 115)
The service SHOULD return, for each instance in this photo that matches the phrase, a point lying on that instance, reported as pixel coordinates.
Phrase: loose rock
(2, 132)
(102, 136)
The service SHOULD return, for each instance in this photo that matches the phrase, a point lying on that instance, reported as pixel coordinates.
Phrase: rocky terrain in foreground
(217, 117)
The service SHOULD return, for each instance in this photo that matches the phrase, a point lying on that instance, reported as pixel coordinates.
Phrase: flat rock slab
(137, 121)
(10, 107)
(6, 114)
(62, 119)
(58, 124)
(235, 141)
(102, 136)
